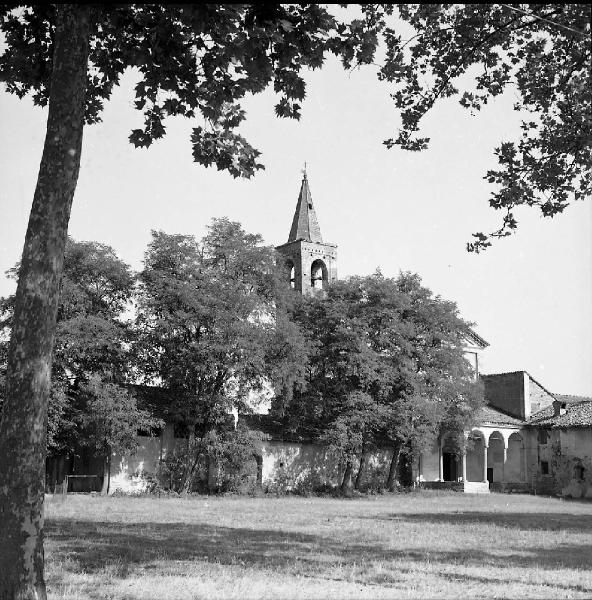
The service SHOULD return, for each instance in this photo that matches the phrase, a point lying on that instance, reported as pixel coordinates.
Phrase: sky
(529, 296)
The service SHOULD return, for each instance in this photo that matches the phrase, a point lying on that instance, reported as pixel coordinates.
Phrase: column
(440, 461)
(484, 462)
(464, 464)
(504, 461)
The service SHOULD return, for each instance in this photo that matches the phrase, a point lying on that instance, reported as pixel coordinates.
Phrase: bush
(229, 456)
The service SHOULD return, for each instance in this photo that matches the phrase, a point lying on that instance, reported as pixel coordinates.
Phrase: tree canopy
(194, 60)
(542, 52)
(204, 324)
(385, 367)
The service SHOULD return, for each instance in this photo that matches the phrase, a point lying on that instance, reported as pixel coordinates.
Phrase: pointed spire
(305, 225)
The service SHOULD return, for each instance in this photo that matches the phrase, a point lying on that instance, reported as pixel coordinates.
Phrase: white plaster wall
(126, 470)
(577, 441)
(295, 462)
(430, 463)
(513, 471)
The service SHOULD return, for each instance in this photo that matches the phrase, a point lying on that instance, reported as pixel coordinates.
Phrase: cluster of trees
(371, 362)
(89, 404)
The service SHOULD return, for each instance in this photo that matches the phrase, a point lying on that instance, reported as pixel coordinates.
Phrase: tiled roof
(569, 399)
(491, 415)
(477, 339)
(577, 414)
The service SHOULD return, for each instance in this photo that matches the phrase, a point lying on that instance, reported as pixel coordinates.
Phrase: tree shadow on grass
(93, 547)
(522, 521)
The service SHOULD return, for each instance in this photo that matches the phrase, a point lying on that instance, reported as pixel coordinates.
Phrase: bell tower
(311, 264)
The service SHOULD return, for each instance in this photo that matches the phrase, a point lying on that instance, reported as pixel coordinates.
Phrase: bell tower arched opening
(291, 273)
(319, 275)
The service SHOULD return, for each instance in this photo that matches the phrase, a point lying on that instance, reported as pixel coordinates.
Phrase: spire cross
(304, 170)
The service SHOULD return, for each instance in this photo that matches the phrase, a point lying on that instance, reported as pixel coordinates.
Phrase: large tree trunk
(191, 464)
(391, 482)
(211, 474)
(360, 471)
(346, 484)
(24, 416)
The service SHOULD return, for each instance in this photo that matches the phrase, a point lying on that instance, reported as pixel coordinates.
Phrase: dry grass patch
(405, 546)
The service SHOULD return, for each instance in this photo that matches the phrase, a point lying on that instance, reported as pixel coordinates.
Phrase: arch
(319, 275)
(475, 454)
(496, 457)
(515, 462)
(476, 433)
(291, 272)
(451, 469)
(496, 435)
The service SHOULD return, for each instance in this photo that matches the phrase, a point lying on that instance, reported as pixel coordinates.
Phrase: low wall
(285, 463)
(291, 463)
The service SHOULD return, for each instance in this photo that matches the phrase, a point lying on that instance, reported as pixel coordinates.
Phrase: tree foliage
(386, 367)
(202, 311)
(542, 52)
(110, 418)
(192, 60)
(205, 321)
(92, 339)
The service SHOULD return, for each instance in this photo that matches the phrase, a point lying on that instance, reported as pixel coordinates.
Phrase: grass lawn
(423, 545)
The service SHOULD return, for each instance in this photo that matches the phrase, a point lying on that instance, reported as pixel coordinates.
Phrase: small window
(543, 437)
(579, 473)
(544, 467)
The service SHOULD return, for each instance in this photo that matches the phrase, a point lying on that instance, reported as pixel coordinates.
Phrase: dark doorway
(490, 474)
(449, 466)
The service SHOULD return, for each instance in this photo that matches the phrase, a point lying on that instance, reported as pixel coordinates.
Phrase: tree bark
(211, 467)
(24, 416)
(106, 475)
(360, 471)
(346, 484)
(191, 465)
(391, 482)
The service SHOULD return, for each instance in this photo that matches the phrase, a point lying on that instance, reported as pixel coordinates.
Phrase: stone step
(476, 487)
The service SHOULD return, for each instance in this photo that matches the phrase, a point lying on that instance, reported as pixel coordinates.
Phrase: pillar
(464, 465)
(484, 462)
(440, 461)
(504, 461)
